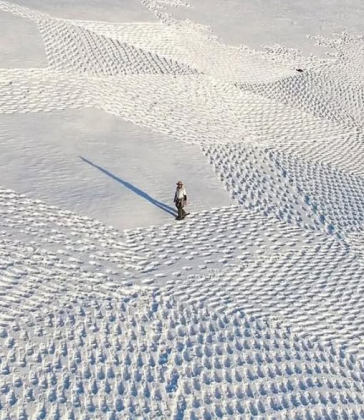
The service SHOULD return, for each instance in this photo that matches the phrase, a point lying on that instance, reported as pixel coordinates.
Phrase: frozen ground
(250, 308)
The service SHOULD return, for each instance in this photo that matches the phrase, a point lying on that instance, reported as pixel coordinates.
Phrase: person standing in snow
(180, 200)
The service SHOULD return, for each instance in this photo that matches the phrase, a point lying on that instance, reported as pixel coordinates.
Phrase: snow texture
(252, 307)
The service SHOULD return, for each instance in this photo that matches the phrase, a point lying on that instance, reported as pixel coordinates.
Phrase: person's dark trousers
(181, 212)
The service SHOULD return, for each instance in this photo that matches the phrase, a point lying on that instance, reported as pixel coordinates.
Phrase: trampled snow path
(250, 308)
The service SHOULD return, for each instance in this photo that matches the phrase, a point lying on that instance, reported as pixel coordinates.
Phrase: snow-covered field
(252, 307)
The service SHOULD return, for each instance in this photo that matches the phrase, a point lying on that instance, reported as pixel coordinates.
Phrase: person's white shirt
(181, 192)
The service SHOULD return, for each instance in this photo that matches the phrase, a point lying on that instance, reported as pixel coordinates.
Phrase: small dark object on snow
(299, 70)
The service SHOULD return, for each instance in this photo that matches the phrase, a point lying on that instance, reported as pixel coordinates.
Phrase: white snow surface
(251, 307)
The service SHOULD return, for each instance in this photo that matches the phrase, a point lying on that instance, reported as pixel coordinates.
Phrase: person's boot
(184, 214)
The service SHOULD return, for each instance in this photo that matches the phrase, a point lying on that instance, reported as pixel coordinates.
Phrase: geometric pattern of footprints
(335, 195)
(68, 49)
(232, 260)
(150, 358)
(264, 321)
(316, 293)
(254, 179)
(47, 254)
(252, 310)
(309, 194)
(217, 237)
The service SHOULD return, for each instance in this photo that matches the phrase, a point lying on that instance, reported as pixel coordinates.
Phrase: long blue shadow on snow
(131, 187)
